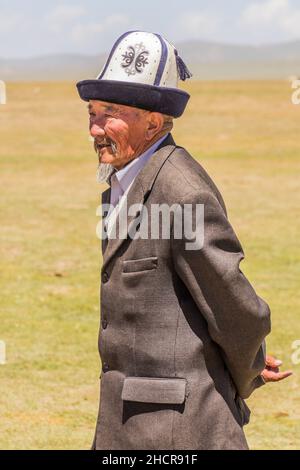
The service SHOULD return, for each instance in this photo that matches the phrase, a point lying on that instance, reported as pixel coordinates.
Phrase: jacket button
(105, 277)
(105, 367)
(104, 323)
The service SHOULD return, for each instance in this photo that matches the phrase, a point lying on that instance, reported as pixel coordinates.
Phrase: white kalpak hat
(142, 70)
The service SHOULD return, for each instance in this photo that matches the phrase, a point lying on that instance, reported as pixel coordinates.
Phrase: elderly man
(182, 330)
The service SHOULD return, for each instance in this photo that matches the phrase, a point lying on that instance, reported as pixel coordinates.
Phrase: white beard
(103, 172)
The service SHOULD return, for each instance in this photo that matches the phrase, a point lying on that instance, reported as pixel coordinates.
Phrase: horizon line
(205, 41)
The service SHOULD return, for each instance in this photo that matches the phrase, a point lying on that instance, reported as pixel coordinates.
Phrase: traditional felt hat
(142, 70)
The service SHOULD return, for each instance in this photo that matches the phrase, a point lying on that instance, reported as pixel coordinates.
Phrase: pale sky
(37, 27)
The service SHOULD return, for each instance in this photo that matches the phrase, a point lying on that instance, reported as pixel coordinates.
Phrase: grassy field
(246, 134)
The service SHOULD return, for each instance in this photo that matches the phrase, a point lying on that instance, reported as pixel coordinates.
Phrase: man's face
(119, 132)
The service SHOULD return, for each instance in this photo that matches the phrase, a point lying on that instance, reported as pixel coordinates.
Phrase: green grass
(246, 134)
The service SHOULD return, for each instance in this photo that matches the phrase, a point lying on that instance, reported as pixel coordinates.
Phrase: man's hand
(271, 372)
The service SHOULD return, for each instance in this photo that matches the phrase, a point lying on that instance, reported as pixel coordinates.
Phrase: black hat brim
(170, 101)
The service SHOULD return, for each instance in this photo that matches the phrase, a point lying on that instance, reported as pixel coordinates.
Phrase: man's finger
(273, 362)
(283, 375)
(270, 376)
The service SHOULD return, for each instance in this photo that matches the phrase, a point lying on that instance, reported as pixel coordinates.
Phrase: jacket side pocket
(154, 390)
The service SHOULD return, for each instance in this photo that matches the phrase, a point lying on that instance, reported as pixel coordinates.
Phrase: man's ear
(155, 125)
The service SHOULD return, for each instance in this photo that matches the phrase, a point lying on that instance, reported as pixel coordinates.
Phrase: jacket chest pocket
(139, 265)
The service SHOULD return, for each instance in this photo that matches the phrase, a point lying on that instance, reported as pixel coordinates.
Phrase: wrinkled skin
(122, 133)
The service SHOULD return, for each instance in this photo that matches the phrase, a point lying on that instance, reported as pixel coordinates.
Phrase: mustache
(107, 142)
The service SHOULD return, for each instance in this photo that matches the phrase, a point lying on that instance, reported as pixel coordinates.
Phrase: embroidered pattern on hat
(135, 59)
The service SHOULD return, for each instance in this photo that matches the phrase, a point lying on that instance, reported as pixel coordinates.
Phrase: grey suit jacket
(182, 332)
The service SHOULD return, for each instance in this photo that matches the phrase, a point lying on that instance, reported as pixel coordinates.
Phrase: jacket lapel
(105, 199)
(138, 194)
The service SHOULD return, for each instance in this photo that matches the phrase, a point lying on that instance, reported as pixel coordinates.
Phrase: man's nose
(96, 130)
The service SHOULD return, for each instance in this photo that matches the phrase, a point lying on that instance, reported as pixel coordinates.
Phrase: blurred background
(242, 126)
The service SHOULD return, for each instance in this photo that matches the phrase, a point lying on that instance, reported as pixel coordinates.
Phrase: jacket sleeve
(238, 319)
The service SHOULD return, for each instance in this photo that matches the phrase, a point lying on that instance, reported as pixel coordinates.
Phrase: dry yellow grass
(246, 136)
